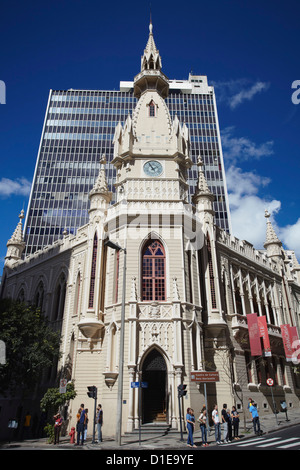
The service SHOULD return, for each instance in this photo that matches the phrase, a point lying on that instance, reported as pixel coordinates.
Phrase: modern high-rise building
(79, 127)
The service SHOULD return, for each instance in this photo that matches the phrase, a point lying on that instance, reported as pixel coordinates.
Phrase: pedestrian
(190, 422)
(57, 427)
(86, 423)
(78, 418)
(26, 427)
(225, 423)
(99, 421)
(229, 425)
(217, 423)
(255, 418)
(250, 401)
(80, 425)
(202, 420)
(235, 422)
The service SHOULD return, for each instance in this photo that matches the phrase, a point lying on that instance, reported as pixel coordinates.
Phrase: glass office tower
(79, 127)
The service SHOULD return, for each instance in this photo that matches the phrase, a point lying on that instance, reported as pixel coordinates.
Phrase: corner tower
(151, 145)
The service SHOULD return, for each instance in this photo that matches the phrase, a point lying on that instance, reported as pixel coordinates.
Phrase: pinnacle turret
(272, 244)
(151, 76)
(202, 190)
(100, 196)
(15, 244)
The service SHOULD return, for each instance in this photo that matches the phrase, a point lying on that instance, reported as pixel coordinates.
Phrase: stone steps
(155, 428)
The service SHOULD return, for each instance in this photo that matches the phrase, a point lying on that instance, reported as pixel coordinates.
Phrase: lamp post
(116, 247)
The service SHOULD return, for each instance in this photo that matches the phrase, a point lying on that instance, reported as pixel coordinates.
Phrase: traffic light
(92, 392)
(181, 390)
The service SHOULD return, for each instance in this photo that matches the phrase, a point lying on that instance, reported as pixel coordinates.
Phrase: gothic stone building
(185, 286)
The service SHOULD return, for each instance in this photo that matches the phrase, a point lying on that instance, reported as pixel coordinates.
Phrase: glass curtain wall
(79, 127)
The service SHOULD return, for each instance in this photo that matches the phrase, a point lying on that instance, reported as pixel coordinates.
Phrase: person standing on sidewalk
(57, 427)
(202, 420)
(190, 424)
(235, 421)
(255, 419)
(81, 425)
(217, 423)
(99, 421)
(225, 421)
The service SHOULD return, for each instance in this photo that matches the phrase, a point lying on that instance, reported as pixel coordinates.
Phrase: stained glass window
(154, 271)
(211, 275)
(93, 272)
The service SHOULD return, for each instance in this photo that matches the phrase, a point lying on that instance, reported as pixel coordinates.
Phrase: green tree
(52, 402)
(31, 346)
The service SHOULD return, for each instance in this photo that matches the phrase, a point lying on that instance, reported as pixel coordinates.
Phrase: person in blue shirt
(255, 418)
(190, 424)
(81, 424)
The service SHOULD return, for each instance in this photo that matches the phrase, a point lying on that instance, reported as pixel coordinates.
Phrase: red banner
(295, 345)
(254, 334)
(263, 332)
(287, 341)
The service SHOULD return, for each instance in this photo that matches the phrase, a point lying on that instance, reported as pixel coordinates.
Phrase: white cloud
(290, 236)
(247, 208)
(234, 92)
(243, 148)
(18, 187)
(247, 95)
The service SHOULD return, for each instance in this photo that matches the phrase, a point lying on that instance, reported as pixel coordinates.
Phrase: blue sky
(247, 49)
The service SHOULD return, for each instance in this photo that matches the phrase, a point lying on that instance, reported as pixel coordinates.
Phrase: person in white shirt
(216, 420)
(202, 420)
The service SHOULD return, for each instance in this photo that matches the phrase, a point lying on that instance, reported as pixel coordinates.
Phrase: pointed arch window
(153, 271)
(77, 293)
(152, 109)
(39, 296)
(93, 272)
(211, 275)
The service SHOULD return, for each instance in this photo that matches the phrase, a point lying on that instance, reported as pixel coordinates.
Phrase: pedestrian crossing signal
(92, 392)
(181, 390)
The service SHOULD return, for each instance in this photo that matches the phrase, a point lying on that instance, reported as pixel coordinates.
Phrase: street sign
(205, 376)
(270, 382)
(63, 386)
(139, 384)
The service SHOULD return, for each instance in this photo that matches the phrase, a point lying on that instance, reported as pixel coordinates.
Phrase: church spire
(272, 244)
(151, 59)
(15, 244)
(100, 196)
(203, 196)
(151, 76)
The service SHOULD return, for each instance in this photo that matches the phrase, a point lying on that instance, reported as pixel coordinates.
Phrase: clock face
(153, 168)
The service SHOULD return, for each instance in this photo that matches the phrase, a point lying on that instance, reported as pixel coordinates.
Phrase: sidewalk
(159, 441)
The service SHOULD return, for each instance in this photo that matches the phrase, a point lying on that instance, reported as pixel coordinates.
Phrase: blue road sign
(135, 384)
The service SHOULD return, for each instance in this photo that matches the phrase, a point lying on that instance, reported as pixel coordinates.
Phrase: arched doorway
(154, 399)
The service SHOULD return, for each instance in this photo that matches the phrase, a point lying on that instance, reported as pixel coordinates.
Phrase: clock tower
(151, 151)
